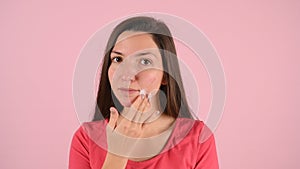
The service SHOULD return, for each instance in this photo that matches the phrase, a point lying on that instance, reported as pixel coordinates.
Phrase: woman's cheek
(111, 72)
(150, 81)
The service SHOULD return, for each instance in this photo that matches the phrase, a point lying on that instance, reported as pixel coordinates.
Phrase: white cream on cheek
(143, 93)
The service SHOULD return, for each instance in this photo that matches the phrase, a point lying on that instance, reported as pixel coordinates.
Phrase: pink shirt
(190, 146)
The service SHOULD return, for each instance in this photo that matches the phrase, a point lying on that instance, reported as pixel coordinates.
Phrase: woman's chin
(126, 103)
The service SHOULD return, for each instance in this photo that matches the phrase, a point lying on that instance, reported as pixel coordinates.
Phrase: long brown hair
(176, 103)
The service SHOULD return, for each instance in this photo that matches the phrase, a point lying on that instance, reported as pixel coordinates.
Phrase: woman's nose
(128, 77)
(128, 74)
(128, 70)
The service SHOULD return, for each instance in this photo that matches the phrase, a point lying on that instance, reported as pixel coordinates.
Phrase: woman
(142, 119)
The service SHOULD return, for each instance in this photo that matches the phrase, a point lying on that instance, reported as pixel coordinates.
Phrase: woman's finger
(139, 112)
(142, 108)
(113, 117)
(153, 116)
(134, 108)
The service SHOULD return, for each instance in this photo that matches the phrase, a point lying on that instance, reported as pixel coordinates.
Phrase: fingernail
(112, 110)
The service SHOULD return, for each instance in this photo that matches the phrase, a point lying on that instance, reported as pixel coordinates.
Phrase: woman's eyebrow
(138, 54)
(145, 53)
(116, 52)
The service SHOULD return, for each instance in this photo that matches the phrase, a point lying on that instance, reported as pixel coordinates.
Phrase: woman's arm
(114, 161)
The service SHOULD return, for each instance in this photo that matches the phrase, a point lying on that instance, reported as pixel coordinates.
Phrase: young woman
(142, 119)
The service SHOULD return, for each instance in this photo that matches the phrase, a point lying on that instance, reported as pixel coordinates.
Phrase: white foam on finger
(149, 96)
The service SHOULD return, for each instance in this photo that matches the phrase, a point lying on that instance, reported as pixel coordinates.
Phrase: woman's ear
(164, 80)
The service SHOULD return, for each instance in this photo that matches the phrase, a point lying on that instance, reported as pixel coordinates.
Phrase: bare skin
(131, 71)
(119, 124)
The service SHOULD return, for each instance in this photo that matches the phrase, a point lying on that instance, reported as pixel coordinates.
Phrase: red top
(190, 146)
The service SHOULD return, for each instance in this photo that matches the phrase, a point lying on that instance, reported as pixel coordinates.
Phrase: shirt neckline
(174, 135)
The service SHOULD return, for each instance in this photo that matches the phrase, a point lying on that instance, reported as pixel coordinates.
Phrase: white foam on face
(143, 93)
(157, 112)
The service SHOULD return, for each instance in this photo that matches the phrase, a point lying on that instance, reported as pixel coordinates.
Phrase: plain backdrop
(257, 41)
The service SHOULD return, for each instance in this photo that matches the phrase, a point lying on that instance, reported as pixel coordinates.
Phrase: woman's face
(136, 64)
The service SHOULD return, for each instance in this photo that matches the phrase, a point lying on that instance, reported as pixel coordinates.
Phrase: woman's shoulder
(202, 131)
(88, 129)
(193, 128)
(94, 125)
(91, 132)
(193, 124)
(93, 128)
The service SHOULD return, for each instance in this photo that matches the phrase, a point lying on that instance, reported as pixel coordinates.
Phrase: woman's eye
(146, 61)
(116, 59)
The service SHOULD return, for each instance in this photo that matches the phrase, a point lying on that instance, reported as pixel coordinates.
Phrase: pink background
(258, 43)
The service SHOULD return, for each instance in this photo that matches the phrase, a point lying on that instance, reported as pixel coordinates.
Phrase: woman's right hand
(124, 133)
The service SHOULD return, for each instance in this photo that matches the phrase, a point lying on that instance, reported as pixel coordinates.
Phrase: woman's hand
(125, 131)
(124, 135)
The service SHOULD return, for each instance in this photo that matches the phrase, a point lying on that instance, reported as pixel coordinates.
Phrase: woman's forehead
(127, 34)
(130, 42)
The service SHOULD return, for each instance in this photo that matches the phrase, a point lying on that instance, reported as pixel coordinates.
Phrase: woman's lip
(128, 90)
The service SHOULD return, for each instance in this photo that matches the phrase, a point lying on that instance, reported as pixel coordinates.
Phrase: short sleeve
(207, 155)
(79, 151)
